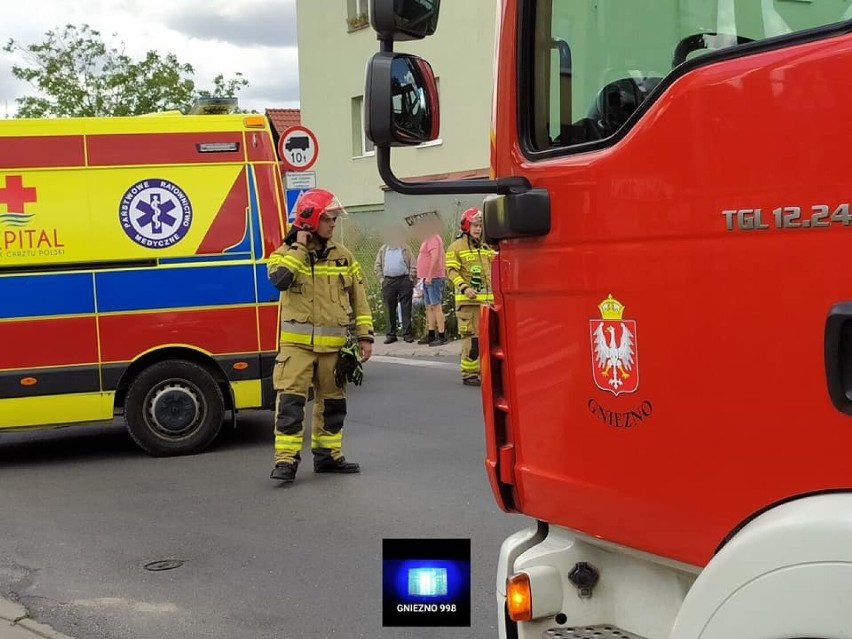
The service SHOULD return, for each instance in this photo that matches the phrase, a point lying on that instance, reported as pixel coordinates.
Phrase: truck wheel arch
(785, 573)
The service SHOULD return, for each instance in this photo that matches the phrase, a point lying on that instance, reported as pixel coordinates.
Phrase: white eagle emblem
(614, 357)
(617, 358)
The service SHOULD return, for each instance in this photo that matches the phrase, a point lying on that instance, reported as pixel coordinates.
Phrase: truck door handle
(838, 356)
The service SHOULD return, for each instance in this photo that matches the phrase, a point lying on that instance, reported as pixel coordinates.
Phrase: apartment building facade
(335, 42)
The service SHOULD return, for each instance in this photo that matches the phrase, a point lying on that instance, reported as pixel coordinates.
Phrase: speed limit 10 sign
(298, 148)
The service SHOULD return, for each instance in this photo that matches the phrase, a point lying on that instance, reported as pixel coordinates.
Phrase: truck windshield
(595, 61)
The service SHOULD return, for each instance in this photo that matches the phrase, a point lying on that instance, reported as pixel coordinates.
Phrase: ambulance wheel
(174, 408)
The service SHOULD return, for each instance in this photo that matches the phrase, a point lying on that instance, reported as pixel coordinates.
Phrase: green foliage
(78, 75)
(364, 246)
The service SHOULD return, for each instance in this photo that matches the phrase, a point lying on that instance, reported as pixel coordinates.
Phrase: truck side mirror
(401, 100)
(404, 19)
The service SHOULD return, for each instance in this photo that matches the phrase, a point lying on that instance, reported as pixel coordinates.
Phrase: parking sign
(298, 148)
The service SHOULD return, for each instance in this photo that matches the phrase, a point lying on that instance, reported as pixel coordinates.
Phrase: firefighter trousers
(468, 322)
(296, 368)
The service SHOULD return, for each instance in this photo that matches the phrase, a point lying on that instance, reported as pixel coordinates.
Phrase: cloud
(254, 37)
(273, 77)
(280, 95)
(270, 23)
(10, 87)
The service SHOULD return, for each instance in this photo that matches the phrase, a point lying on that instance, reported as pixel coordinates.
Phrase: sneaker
(408, 338)
(438, 341)
(340, 466)
(390, 339)
(472, 381)
(424, 340)
(284, 472)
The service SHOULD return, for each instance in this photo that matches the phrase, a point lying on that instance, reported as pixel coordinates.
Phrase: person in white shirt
(396, 268)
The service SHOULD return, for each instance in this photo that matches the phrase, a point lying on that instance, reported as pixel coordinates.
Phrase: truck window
(589, 65)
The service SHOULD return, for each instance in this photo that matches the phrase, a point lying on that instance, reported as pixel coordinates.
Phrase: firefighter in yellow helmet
(322, 296)
(469, 269)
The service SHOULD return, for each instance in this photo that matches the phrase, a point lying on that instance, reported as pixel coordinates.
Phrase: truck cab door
(628, 333)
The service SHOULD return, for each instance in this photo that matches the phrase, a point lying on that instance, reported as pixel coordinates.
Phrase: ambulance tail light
(254, 121)
(535, 593)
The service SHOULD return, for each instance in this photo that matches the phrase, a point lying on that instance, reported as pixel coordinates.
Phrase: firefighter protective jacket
(469, 266)
(322, 296)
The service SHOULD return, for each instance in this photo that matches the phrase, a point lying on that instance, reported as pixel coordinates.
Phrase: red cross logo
(15, 195)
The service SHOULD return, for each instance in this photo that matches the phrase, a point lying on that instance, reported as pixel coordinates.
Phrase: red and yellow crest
(615, 358)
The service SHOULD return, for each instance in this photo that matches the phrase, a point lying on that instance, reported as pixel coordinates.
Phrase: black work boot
(284, 472)
(335, 466)
(471, 381)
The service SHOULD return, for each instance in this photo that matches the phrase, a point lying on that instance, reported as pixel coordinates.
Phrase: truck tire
(174, 408)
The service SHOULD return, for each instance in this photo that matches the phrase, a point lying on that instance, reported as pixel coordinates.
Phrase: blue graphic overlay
(426, 582)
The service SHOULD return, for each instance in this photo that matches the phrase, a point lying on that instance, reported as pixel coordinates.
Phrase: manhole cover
(163, 564)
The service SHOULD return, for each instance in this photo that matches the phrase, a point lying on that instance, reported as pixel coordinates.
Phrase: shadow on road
(91, 443)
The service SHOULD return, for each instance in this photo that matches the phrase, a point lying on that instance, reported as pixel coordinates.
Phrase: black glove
(291, 235)
(348, 367)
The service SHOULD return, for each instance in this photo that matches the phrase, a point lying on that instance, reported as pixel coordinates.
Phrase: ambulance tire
(174, 408)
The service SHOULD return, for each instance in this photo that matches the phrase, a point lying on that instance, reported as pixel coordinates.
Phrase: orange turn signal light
(29, 381)
(254, 121)
(240, 366)
(519, 597)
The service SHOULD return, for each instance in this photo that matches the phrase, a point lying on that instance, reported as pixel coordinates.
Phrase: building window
(358, 16)
(361, 144)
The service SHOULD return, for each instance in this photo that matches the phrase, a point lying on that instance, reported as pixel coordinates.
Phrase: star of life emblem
(615, 361)
(155, 213)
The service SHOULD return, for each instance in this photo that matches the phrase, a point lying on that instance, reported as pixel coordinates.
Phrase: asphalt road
(82, 510)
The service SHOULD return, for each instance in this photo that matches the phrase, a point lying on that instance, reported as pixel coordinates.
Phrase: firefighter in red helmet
(469, 269)
(322, 299)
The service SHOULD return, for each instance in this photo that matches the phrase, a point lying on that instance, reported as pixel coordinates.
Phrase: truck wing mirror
(404, 19)
(402, 100)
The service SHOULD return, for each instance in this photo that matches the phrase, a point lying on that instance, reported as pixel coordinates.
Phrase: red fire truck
(667, 366)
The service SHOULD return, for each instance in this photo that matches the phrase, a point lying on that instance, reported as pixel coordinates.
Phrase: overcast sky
(256, 37)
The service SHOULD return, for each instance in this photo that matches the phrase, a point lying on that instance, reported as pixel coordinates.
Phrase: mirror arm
(501, 186)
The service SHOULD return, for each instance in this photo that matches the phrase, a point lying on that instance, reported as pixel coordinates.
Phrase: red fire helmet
(312, 204)
(470, 216)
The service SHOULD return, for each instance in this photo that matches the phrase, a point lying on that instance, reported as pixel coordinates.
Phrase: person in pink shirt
(431, 268)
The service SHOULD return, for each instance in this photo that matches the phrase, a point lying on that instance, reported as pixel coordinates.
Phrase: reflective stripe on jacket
(322, 296)
(469, 266)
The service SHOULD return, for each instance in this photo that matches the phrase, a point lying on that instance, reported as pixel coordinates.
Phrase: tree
(78, 75)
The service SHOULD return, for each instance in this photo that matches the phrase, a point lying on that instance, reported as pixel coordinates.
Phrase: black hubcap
(174, 410)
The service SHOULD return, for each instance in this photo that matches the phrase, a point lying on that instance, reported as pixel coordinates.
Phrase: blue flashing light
(427, 582)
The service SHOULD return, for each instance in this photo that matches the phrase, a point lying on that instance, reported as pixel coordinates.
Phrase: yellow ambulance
(133, 276)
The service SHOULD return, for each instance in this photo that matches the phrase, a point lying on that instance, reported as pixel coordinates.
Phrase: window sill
(426, 145)
(369, 154)
(357, 27)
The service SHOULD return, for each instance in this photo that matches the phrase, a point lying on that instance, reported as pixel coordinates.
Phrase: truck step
(604, 631)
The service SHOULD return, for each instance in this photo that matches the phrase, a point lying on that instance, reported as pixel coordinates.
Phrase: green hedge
(418, 319)
(365, 243)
